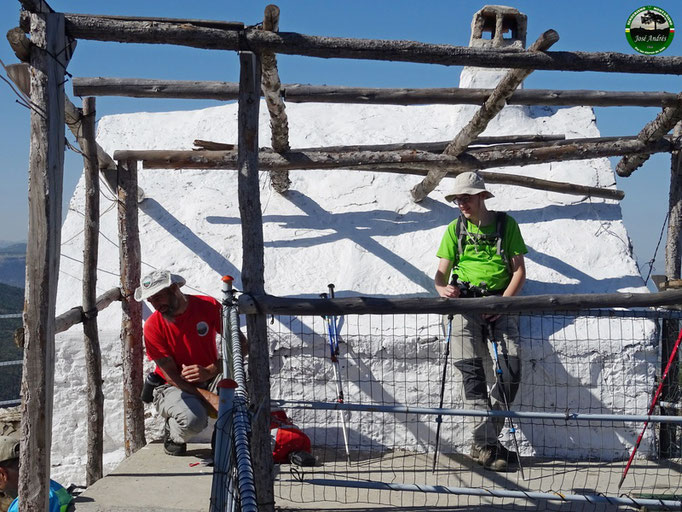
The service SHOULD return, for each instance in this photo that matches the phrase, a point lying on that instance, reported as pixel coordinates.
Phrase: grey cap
(156, 281)
(469, 183)
(9, 448)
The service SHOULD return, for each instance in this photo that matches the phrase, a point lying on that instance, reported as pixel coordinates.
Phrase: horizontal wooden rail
(272, 305)
(472, 159)
(187, 33)
(295, 93)
(75, 315)
(434, 147)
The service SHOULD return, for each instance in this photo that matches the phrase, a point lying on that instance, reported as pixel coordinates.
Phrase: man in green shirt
(485, 253)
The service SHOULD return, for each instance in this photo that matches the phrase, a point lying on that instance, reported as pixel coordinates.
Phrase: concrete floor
(153, 481)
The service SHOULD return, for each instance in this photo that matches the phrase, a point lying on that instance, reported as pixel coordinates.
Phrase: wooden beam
(131, 320)
(93, 353)
(46, 170)
(21, 45)
(398, 162)
(433, 147)
(270, 82)
(673, 246)
(19, 74)
(272, 305)
(182, 32)
(504, 178)
(656, 129)
(253, 269)
(670, 327)
(301, 93)
(36, 6)
(479, 122)
(474, 159)
(75, 315)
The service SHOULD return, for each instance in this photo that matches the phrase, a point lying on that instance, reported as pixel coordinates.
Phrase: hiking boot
(510, 457)
(301, 458)
(170, 446)
(489, 457)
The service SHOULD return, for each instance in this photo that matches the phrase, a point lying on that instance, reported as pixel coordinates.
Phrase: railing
(587, 383)
(9, 396)
(233, 487)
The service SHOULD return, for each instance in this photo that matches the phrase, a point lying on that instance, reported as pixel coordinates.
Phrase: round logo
(649, 30)
(202, 328)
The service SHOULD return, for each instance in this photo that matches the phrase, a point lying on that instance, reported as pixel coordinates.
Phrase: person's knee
(473, 378)
(191, 420)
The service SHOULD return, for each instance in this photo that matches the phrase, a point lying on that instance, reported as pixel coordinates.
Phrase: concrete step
(152, 481)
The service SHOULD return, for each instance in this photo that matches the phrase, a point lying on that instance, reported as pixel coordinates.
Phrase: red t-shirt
(190, 338)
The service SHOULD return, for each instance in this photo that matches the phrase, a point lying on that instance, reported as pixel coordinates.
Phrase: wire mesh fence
(233, 487)
(10, 361)
(591, 374)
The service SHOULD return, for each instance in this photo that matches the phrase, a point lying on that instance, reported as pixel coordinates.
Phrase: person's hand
(196, 373)
(448, 292)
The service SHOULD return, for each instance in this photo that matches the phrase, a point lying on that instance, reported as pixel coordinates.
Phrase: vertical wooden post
(671, 328)
(93, 354)
(131, 322)
(46, 169)
(253, 275)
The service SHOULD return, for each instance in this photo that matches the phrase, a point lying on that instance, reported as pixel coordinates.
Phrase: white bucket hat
(156, 281)
(469, 183)
(9, 448)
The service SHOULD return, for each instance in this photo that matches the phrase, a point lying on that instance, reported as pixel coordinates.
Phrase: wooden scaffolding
(44, 57)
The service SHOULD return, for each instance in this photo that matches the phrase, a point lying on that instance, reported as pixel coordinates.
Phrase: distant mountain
(13, 264)
(11, 299)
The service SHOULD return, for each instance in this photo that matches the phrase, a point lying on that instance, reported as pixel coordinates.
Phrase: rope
(660, 237)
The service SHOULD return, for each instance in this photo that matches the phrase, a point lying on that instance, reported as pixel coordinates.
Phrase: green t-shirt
(479, 261)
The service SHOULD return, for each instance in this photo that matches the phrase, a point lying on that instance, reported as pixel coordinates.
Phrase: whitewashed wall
(357, 229)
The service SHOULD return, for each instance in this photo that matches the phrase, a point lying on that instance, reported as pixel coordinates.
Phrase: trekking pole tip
(227, 279)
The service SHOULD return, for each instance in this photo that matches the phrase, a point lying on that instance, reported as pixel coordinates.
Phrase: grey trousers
(473, 357)
(186, 413)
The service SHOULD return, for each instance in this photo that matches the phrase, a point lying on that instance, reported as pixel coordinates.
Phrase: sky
(580, 26)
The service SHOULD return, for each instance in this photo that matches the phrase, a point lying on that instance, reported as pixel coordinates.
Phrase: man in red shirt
(180, 337)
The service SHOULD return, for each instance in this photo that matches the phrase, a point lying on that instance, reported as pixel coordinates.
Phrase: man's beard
(171, 308)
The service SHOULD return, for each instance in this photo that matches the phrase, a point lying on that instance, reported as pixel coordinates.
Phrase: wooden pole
(18, 73)
(271, 305)
(393, 162)
(301, 93)
(131, 321)
(46, 168)
(492, 106)
(93, 353)
(253, 276)
(434, 147)
(673, 246)
(186, 33)
(279, 125)
(20, 44)
(656, 129)
(671, 328)
(473, 159)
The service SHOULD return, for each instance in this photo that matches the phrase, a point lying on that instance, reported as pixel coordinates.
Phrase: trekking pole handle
(323, 296)
(331, 289)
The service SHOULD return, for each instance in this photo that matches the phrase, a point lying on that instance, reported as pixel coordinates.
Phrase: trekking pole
(334, 353)
(439, 418)
(651, 407)
(498, 371)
